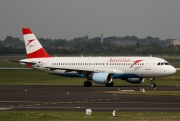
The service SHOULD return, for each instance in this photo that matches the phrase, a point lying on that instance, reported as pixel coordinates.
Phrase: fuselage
(120, 67)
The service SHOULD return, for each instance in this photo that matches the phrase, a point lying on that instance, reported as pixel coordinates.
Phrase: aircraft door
(148, 64)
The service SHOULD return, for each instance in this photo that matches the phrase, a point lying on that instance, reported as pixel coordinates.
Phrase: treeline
(128, 45)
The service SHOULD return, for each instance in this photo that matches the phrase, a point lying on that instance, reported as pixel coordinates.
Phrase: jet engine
(135, 80)
(102, 78)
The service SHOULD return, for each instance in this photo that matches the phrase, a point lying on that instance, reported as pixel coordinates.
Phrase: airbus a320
(100, 70)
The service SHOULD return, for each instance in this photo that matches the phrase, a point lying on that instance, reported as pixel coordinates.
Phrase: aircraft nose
(172, 70)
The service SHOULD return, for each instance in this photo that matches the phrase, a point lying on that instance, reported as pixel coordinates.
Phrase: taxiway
(77, 98)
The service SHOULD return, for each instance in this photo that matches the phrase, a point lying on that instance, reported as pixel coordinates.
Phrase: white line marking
(5, 109)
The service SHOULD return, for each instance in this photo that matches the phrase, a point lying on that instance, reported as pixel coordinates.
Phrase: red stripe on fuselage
(26, 31)
(41, 53)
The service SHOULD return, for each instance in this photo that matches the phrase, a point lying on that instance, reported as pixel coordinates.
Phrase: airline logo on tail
(29, 41)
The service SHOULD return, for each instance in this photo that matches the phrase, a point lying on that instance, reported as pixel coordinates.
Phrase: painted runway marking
(5, 108)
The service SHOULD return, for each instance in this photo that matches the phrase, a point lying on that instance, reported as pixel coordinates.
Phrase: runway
(77, 98)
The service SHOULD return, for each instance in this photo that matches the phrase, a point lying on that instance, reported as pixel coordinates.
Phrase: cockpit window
(163, 63)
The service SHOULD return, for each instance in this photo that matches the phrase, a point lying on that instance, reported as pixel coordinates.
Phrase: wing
(87, 70)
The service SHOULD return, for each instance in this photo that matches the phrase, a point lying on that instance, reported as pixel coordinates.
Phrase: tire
(110, 84)
(87, 84)
(153, 85)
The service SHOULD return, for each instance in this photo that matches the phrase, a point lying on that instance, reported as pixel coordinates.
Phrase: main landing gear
(87, 83)
(152, 82)
(110, 84)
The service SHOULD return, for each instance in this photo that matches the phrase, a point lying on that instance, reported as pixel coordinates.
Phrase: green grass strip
(34, 77)
(80, 116)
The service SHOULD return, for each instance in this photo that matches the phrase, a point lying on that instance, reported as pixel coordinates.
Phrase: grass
(5, 61)
(34, 77)
(96, 116)
(174, 62)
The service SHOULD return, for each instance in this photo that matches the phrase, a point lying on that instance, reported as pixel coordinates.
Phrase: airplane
(101, 70)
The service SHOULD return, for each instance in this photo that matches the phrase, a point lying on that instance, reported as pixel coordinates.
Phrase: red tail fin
(33, 48)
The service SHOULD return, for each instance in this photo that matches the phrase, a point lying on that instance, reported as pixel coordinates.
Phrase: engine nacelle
(135, 80)
(102, 78)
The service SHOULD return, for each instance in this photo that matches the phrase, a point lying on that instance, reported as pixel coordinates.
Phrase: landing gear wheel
(87, 84)
(153, 85)
(110, 84)
(152, 82)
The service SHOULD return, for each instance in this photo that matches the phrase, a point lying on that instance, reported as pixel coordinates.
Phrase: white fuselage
(119, 67)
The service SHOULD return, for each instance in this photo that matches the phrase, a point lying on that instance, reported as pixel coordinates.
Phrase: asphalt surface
(74, 98)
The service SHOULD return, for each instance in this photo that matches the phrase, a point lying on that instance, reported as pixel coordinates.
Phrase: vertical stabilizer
(33, 48)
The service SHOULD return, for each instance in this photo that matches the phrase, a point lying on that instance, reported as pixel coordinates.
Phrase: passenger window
(158, 64)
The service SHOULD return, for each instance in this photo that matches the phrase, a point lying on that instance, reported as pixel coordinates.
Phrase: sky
(68, 19)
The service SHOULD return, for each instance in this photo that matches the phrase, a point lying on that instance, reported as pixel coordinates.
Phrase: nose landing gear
(152, 82)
